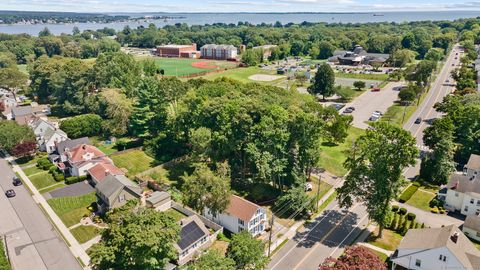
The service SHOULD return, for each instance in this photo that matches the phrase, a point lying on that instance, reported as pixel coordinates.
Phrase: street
(31, 239)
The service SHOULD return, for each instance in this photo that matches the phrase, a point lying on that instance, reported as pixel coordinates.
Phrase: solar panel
(190, 234)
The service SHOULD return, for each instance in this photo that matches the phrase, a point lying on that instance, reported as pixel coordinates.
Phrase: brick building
(178, 51)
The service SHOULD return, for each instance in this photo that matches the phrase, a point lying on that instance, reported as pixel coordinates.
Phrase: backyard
(85, 233)
(72, 209)
(134, 161)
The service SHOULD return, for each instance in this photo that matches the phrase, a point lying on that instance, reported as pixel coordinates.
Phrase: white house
(40, 126)
(219, 52)
(194, 238)
(83, 157)
(463, 190)
(471, 227)
(436, 249)
(48, 141)
(241, 215)
(60, 154)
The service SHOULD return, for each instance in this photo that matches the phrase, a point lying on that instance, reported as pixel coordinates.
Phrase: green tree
(295, 200)
(136, 238)
(118, 109)
(359, 85)
(252, 57)
(376, 163)
(45, 32)
(435, 54)
(82, 125)
(7, 60)
(213, 260)
(407, 95)
(207, 189)
(12, 79)
(324, 82)
(326, 50)
(13, 134)
(402, 58)
(247, 252)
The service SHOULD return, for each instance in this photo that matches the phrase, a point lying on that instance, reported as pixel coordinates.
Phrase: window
(241, 222)
(418, 263)
(443, 258)
(240, 229)
(466, 208)
(472, 201)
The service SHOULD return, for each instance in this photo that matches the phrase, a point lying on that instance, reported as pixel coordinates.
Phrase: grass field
(84, 233)
(42, 179)
(332, 157)
(389, 241)
(135, 161)
(183, 67)
(57, 186)
(72, 209)
(421, 200)
(32, 170)
(242, 74)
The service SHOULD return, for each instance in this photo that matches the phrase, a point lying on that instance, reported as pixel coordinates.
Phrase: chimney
(84, 147)
(454, 237)
(107, 171)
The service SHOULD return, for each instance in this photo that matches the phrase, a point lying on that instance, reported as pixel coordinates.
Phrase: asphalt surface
(77, 189)
(31, 239)
(325, 237)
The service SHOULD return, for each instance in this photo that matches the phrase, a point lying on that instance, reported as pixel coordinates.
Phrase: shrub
(416, 184)
(408, 193)
(395, 208)
(402, 211)
(222, 237)
(52, 169)
(441, 211)
(411, 216)
(44, 164)
(394, 224)
(405, 225)
(434, 210)
(436, 203)
(59, 177)
(74, 179)
(401, 219)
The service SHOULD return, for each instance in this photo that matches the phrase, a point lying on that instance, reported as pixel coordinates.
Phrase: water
(254, 18)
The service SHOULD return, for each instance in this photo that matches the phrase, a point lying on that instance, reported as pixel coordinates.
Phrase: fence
(188, 212)
(145, 178)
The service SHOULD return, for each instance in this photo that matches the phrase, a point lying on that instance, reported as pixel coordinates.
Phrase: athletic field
(185, 67)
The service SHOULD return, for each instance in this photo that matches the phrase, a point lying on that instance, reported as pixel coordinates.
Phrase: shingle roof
(473, 162)
(192, 231)
(464, 184)
(102, 170)
(50, 132)
(430, 238)
(70, 144)
(111, 186)
(241, 208)
(22, 110)
(78, 153)
(472, 222)
(157, 197)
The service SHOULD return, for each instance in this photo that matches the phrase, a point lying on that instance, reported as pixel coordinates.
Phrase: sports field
(185, 67)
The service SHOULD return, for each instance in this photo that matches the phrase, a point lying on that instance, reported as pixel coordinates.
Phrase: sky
(237, 5)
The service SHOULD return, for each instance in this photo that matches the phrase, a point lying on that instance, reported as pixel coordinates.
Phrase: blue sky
(236, 5)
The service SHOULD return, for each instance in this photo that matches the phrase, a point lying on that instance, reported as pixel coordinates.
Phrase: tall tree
(324, 82)
(118, 109)
(247, 252)
(212, 260)
(13, 134)
(376, 163)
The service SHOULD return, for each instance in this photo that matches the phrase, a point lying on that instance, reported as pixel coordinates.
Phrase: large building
(357, 57)
(178, 51)
(219, 52)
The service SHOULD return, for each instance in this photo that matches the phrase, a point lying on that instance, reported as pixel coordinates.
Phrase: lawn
(170, 175)
(175, 214)
(183, 67)
(57, 186)
(242, 74)
(376, 77)
(26, 161)
(4, 264)
(84, 233)
(389, 241)
(135, 161)
(394, 113)
(221, 246)
(32, 170)
(42, 180)
(324, 188)
(72, 209)
(421, 199)
(107, 149)
(333, 156)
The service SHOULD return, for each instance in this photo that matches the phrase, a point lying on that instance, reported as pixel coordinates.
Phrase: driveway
(74, 190)
(370, 101)
(431, 219)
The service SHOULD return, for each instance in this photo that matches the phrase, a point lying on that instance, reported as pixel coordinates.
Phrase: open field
(333, 156)
(135, 161)
(84, 233)
(72, 209)
(184, 67)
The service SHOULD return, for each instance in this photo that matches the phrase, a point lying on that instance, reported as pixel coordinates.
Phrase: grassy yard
(57, 186)
(32, 170)
(170, 174)
(27, 161)
(221, 246)
(394, 113)
(105, 148)
(324, 188)
(421, 199)
(243, 74)
(4, 264)
(72, 209)
(376, 77)
(333, 156)
(389, 241)
(42, 179)
(135, 161)
(84, 233)
(175, 214)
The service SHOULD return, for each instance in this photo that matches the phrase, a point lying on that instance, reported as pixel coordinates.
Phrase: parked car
(378, 112)
(10, 193)
(349, 110)
(418, 120)
(16, 181)
(308, 187)
(374, 118)
(376, 89)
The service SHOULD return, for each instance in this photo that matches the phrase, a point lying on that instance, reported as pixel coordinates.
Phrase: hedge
(402, 211)
(408, 193)
(74, 179)
(44, 164)
(411, 216)
(394, 208)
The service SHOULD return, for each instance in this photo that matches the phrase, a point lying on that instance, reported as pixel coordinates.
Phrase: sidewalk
(73, 244)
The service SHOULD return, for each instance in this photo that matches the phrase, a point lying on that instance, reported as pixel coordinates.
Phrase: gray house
(115, 191)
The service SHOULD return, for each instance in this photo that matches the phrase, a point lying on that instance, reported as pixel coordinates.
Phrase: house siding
(430, 259)
(471, 233)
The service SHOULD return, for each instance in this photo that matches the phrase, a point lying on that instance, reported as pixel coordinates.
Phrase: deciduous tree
(247, 252)
(324, 82)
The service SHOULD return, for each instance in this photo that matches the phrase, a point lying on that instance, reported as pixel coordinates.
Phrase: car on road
(308, 187)
(349, 110)
(16, 181)
(418, 120)
(376, 89)
(338, 106)
(10, 193)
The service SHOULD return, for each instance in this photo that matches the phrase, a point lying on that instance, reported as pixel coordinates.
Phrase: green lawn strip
(42, 180)
(84, 233)
(32, 170)
(324, 188)
(389, 241)
(243, 74)
(383, 257)
(4, 263)
(135, 161)
(54, 187)
(332, 157)
(72, 209)
(279, 247)
(421, 200)
(376, 77)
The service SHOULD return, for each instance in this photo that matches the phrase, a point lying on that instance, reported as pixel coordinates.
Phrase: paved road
(426, 111)
(370, 101)
(32, 241)
(325, 237)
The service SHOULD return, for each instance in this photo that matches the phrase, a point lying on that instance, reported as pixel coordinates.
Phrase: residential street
(32, 241)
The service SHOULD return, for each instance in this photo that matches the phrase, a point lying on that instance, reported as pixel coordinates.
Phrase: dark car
(418, 120)
(349, 110)
(10, 193)
(16, 181)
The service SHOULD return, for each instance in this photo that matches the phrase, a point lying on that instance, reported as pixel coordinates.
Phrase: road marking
(348, 235)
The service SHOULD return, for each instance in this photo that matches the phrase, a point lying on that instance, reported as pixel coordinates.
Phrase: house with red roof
(101, 170)
(241, 215)
(83, 157)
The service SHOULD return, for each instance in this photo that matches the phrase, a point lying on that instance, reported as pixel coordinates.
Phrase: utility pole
(270, 235)
(318, 190)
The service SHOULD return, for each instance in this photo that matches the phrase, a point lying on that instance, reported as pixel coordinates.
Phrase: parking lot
(370, 101)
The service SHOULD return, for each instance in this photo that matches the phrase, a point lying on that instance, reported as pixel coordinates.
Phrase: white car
(308, 187)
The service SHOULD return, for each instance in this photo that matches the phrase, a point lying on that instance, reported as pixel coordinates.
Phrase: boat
(378, 15)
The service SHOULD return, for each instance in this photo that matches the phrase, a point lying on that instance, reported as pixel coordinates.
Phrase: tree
(376, 163)
(252, 57)
(12, 78)
(213, 260)
(295, 200)
(337, 128)
(401, 58)
(24, 149)
(13, 134)
(149, 67)
(435, 54)
(7, 60)
(207, 189)
(247, 252)
(136, 238)
(326, 50)
(45, 32)
(82, 125)
(324, 82)
(354, 258)
(118, 111)
(359, 85)
(407, 96)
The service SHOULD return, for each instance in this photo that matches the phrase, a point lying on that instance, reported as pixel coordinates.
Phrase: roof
(22, 110)
(70, 144)
(112, 185)
(241, 208)
(219, 47)
(102, 170)
(50, 132)
(192, 231)
(463, 183)
(431, 238)
(158, 196)
(84, 152)
(36, 123)
(473, 162)
(175, 46)
(472, 222)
